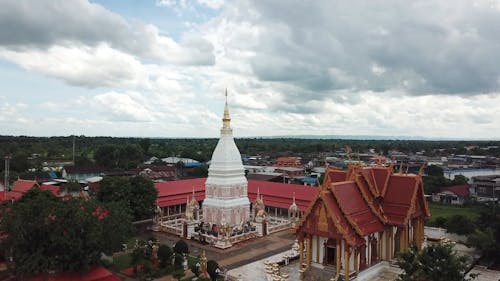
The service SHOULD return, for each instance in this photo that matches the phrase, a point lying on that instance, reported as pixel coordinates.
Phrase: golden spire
(226, 119)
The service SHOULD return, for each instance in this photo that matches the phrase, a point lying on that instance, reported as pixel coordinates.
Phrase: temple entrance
(330, 255)
(330, 252)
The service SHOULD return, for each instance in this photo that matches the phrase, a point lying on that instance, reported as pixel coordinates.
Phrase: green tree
(46, 234)
(433, 170)
(181, 247)
(137, 193)
(435, 262)
(129, 156)
(460, 224)
(107, 156)
(460, 180)
(164, 255)
(145, 144)
(487, 235)
(143, 196)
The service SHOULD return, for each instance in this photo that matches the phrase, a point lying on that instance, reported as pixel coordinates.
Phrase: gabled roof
(368, 199)
(83, 169)
(96, 273)
(355, 208)
(52, 188)
(21, 186)
(399, 197)
(459, 190)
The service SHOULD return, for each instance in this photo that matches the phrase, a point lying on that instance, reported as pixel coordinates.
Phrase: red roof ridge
(349, 216)
(349, 238)
(412, 204)
(379, 213)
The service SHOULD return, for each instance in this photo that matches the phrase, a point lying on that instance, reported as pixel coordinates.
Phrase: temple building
(359, 217)
(226, 195)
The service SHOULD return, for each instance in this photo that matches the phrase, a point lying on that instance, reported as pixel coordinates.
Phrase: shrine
(359, 217)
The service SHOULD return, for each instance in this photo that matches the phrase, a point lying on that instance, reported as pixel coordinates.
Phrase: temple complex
(359, 217)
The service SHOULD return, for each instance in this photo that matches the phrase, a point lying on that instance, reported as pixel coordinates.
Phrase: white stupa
(226, 197)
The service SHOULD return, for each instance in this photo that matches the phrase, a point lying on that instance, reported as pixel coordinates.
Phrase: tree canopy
(47, 234)
(435, 262)
(138, 193)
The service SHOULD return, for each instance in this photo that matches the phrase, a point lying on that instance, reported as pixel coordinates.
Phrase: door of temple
(330, 255)
(330, 252)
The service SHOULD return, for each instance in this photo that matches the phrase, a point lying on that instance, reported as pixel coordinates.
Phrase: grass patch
(446, 211)
(122, 262)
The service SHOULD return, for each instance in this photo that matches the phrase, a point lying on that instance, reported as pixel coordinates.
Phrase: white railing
(172, 229)
(279, 227)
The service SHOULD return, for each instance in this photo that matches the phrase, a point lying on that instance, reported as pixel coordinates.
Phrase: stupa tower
(226, 198)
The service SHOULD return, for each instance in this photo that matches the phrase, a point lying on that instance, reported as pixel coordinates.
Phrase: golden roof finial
(226, 119)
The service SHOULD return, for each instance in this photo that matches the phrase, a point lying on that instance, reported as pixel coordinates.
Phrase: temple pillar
(317, 248)
(356, 257)
(347, 256)
(338, 256)
(380, 243)
(362, 257)
(301, 251)
(402, 239)
(420, 233)
(389, 240)
(309, 250)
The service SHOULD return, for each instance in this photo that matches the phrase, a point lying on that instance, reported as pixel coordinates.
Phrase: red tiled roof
(401, 191)
(381, 177)
(97, 273)
(280, 194)
(275, 194)
(334, 175)
(342, 224)
(459, 190)
(171, 193)
(361, 201)
(22, 186)
(355, 208)
(52, 188)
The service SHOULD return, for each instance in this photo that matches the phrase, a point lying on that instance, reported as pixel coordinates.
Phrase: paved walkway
(241, 253)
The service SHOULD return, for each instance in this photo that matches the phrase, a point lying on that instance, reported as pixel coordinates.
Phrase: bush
(178, 274)
(211, 269)
(181, 247)
(164, 255)
(195, 269)
(178, 261)
(440, 222)
(460, 224)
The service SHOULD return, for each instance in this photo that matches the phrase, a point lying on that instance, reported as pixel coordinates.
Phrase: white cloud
(129, 107)
(81, 65)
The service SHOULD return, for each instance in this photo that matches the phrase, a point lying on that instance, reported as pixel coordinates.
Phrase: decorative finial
(193, 191)
(294, 198)
(421, 170)
(226, 119)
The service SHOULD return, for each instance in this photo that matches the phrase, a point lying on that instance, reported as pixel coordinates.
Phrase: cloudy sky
(158, 68)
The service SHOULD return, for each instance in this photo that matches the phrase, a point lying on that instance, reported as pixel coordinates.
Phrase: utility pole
(73, 150)
(6, 171)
